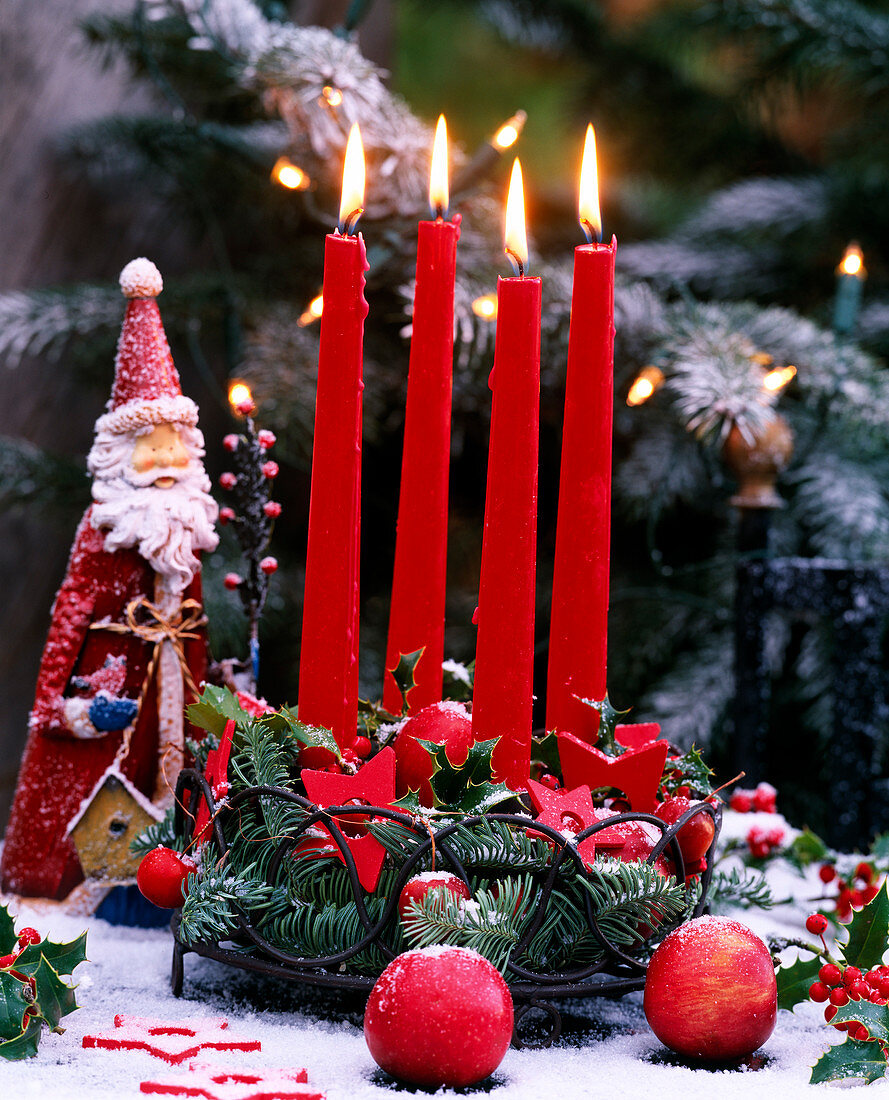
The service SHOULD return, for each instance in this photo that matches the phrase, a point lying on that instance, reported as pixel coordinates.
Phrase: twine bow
(175, 628)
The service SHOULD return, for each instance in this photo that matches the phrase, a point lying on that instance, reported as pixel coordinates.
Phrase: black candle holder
(616, 973)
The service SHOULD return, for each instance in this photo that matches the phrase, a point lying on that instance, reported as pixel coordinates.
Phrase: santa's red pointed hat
(146, 389)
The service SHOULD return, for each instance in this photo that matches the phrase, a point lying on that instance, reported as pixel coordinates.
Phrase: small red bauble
(418, 887)
(272, 509)
(269, 566)
(226, 515)
(710, 992)
(232, 581)
(440, 1016)
(447, 724)
(230, 442)
(265, 438)
(228, 480)
(162, 877)
(270, 470)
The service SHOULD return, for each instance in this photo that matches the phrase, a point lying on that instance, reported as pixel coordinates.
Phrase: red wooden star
(572, 812)
(637, 772)
(216, 774)
(372, 785)
(634, 735)
(173, 1040)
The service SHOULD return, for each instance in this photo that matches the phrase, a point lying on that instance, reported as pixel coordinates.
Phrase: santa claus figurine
(127, 647)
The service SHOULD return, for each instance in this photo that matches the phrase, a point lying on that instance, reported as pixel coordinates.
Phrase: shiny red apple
(710, 992)
(696, 835)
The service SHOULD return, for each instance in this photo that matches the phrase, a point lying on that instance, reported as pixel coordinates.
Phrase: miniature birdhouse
(108, 820)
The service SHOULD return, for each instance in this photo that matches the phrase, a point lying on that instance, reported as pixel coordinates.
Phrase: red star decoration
(372, 785)
(173, 1040)
(634, 735)
(215, 1083)
(216, 774)
(637, 772)
(572, 811)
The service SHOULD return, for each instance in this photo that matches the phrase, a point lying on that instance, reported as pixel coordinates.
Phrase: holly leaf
(55, 999)
(214, 708)
(806, 849)
(794, 981)
(403, 674)
(410, 803)
(23, 1045)
(63, 957)
(867, 944)
(880, 847)
(545, 751)
(468, 787)
(12, 1004)
(688, 770)
(310, 736)
(850, 1059)
(874, 1017)
(608, 719)
(8, 938)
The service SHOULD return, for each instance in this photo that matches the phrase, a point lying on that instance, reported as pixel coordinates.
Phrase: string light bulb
(312, 312)
(852, 262)
(333, 97)
(778, 378)
(290, 175)
(646, 382)
(485, 307)
(508, 134)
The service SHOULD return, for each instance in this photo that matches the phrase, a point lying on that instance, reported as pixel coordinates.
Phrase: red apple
(447, 724)
(439, 1016)
(416, 888)
(710, 992)
(696, 835)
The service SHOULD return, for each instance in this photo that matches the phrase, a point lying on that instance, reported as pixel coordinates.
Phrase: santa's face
(151, 492)
(161, 449)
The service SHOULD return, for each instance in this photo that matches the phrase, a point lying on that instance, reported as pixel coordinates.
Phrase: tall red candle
(417, 613)
(504, 663)
(328, 693)
(579, 614)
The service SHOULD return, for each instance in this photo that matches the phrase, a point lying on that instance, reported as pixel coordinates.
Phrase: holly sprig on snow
(865, 1052)
(32, 995)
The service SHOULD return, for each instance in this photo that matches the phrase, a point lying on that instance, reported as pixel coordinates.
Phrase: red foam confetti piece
(635, 735)
(173, 1041)
(213, 1083)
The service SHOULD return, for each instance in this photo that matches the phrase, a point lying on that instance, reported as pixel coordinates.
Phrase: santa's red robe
(59, 769)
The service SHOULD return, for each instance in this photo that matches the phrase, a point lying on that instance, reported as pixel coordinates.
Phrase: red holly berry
(816, 924)
(269, 565)
(859, 1032)
(827, 872)
(230, 442)
(270, 470)
(818, 991)
(839, 997)
(741, 802)
(226, 515)
(163, 876)
(830, 1012)
(361, 746)
(265, 438)
(232, 581)
(869, 893)
(228, 480)
(864, 871)
(872, 977)
(859, 991)
(29, 935)
(830, 974)
(851, 974)
(765, 798)
(272, 509)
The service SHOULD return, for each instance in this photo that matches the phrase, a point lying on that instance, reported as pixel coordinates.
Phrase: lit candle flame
(333, 97)
(515, 241)
(485, 307)
(352, 201)
(290, 175)
(508, 134)
(312, 311)
(239, 394)
(778, 378)
(852, 262)
(588, 201)
(644, 385)
(438, 177)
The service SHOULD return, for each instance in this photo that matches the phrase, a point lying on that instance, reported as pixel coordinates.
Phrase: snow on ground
(607, 1049)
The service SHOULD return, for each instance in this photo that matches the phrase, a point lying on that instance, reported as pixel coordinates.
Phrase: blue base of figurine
(125, 905)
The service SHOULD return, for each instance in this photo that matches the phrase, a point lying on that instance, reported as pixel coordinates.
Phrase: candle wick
(439, 212)
(347, 226)
(516, 260)
(589, 231)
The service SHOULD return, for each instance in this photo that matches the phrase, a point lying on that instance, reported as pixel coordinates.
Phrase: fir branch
(740, 888)
(216, 897)
(631, 898)
(493, 845)
(42, 322)
(842, 504)
(32, 477)
(159, 834)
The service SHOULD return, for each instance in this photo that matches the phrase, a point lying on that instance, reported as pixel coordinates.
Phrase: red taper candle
(504, 663)
(328, 680)
(579, 613)
(417, 613)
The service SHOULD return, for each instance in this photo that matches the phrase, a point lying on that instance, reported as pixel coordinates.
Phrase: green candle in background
(851, 274)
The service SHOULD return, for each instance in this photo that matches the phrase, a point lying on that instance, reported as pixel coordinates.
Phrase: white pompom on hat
(146, 390)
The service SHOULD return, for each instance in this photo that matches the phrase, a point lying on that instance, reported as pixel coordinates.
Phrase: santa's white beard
(166, 526)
